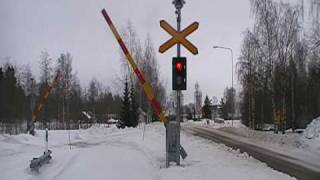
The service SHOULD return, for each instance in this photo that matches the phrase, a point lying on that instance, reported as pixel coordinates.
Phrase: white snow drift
(110, 153)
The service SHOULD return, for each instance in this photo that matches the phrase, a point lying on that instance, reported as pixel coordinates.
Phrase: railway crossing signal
(179, 79)
(179, 73)
(173, 147)
(147, 89)
(179, 37)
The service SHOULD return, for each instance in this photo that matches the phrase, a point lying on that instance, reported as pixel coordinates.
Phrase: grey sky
(77, 26)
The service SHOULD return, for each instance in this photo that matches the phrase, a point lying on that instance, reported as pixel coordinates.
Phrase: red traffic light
(179, 66)
(179, 73)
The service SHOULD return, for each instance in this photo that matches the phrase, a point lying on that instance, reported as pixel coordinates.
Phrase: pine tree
(206, 111)
(10, 89)
(14, 101)
(134, 113)
(93, 94)
(125, 112)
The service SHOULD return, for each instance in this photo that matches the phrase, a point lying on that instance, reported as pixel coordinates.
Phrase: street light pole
(227, 48)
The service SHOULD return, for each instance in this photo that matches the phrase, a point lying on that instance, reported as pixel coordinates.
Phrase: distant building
(112, 116)
(87, 117)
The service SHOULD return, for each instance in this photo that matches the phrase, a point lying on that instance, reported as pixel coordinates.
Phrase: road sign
(179, 37)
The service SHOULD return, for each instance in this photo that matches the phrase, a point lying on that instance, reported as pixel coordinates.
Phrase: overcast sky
(77, 26)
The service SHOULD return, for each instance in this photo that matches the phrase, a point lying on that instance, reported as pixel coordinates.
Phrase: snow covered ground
(110, 153)
(312, 134)
(305, 145)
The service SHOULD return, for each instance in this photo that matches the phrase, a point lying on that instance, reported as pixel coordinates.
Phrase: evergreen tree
(116, 104)
(9, 91)
(314, 86)
(134, 108)
(14, 100)
(206, 111)
(75, 99)
(93, 95)
(224, 110)
(125, 111)
(227, 103)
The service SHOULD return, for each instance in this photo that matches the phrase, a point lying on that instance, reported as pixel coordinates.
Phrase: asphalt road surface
(281, 162)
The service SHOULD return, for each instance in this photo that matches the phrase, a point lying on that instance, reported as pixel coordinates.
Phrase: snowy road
(295, 166)
(109, 153)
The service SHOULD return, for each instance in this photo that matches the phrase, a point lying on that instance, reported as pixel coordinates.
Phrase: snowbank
(220, 124)
(306, 146)
(268, 138)
(313, 129)
(103, 152)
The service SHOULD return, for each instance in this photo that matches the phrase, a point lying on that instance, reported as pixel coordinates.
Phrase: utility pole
(30, 124)
(233, 91)
(63, 99)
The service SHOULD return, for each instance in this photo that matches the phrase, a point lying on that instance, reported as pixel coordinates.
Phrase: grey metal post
(30, 124)
(173, 147)
(178, 5)
(233, 91)
(32, 93)
(178, 92)
(47, 137)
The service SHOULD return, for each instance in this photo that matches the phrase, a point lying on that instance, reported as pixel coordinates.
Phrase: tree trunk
(284, 114)
(292, 102)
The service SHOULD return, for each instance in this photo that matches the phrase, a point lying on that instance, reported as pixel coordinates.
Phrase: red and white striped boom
(143, 82)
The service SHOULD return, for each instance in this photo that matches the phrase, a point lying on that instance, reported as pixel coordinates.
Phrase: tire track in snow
(66, 166)
(138, 148)
(151, 158)
(53, 169)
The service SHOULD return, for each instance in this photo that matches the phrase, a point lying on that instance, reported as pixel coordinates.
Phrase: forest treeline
(279, 65)
(20, 90)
